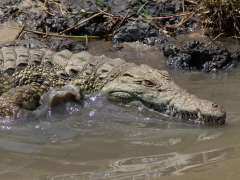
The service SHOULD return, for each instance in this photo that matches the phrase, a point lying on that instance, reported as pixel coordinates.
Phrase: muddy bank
(157, 23)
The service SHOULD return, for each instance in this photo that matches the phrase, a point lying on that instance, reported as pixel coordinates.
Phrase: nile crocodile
(26, 74)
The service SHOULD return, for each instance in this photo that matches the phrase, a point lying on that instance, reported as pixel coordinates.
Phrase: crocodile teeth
(173, 111)
(199, 115)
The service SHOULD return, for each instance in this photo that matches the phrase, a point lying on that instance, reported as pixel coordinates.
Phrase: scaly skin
(154, 89)
(27, 74)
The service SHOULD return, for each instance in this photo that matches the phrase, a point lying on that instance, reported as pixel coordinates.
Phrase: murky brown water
(103, 140)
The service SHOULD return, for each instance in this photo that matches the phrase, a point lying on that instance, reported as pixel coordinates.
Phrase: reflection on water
(134, 144)
(151, 167)
(98, 139)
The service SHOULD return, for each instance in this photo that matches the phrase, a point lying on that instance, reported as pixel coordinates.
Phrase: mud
(56, 17)
(117, 21)
(8, 3)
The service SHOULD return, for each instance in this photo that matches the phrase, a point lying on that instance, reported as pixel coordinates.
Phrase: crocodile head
(154, 89)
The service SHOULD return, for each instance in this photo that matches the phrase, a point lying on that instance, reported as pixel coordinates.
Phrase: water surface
(98, 139)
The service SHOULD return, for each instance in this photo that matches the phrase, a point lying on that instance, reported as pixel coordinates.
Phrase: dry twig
(20, 32)
(54, 35)
(85, 20)
(214, 39)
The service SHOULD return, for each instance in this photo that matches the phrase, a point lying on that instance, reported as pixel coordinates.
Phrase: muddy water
(97, 139)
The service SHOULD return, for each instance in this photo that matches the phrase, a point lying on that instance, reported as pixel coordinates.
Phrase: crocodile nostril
(214, 105)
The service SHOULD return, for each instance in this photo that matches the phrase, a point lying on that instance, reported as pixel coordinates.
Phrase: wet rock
(168, 49)
(8, 8)
(127, 33)
(198, 55)
(183, 61)
(8, 13)
(5, 3)
(134, 32)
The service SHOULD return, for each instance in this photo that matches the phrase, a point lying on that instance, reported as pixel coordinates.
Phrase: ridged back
(78, 68)
(12, 58)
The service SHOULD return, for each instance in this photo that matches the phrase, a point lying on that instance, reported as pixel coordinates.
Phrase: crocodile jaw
(186, 108)
(154, 89)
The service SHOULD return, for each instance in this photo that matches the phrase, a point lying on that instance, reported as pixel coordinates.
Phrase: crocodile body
(26, 74)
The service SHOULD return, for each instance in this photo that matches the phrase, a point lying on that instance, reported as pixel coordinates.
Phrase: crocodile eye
(127, 75)
(148, 83)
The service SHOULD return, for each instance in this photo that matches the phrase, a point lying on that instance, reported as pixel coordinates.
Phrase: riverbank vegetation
(221, 17)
